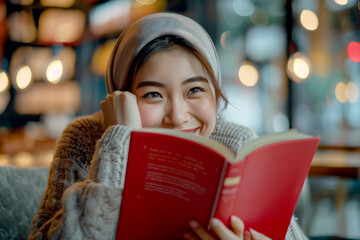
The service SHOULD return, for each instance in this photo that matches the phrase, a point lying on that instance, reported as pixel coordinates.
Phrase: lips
(190, 130)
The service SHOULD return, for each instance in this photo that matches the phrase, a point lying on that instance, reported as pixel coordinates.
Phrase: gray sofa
(21, 190)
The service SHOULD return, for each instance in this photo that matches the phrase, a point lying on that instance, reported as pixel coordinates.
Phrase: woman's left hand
(222, 232)
(120, 108)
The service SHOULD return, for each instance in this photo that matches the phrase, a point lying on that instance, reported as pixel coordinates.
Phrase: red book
(174, 177)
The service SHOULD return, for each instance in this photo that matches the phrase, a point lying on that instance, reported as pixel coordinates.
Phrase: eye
(152, 95)
(195, 90)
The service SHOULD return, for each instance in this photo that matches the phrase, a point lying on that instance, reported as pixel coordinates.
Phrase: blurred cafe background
(285, 64)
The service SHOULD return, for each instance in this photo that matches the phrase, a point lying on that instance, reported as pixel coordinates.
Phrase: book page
(291, 134)
(209, 143)
(170, 181)
(173, 173)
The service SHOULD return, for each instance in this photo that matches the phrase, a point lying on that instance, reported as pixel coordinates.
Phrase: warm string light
(54, 71)
(341, 2)
(298, 67)
(309, 20)
(4, 82)
(347, 92)
(248, 74)
(4, 94)
(23, 77)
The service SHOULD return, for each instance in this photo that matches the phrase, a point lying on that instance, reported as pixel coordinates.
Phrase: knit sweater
(87, 175)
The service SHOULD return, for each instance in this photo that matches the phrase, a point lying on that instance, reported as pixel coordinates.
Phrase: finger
(221, 230)
(117, 92)
(189, 236)
(131, 110)
(116, 100)
(258, 236)
(200, 231)
(130, 107)
(237, 225)
(247, 235)
(102, 104)
(128, 98)
(108, 97)
(118, 107)
(107, 108)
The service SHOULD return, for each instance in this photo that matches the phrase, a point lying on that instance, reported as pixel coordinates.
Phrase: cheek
(206, 112)
(150, 115)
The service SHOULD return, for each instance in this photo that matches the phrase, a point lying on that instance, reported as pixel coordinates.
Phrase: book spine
(228, 190)
(218, 193)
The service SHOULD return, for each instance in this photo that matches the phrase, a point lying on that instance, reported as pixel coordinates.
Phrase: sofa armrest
(21, 190)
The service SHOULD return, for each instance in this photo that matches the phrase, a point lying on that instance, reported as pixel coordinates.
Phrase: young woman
(163, 73)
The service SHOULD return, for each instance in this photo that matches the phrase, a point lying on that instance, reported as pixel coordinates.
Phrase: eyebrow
(150, 83)
(159, 84)
(195, 79)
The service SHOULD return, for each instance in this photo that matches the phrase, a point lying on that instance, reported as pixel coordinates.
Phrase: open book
(174, 177)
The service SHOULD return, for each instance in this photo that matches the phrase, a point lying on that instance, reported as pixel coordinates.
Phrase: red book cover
(271, 181)
(171, 180)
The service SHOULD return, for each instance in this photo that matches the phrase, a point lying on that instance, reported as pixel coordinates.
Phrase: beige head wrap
(146, 29)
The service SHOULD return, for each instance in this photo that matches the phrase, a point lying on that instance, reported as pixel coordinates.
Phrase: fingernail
(187, 235)
(254, 233)
(215, 222)
(235, 219)
(194, 224)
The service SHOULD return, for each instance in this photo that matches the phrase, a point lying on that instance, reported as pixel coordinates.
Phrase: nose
(177, 113)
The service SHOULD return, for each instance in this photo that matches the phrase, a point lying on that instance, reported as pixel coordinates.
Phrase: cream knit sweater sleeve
(83, 203)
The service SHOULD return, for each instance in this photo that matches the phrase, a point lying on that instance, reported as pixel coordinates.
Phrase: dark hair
(164, 43)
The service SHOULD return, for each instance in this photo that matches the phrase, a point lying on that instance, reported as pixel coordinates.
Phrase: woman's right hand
(236, 232)
(120, 108)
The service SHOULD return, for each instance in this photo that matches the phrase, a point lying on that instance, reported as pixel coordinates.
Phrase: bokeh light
(298, 67)
(341, 92)
(145, 2)
(264, 43)
(21, 27)
(341, 2)
(248, 74)
(4, 82)
(23, 159)
(243, 8)
(23, 77)
(61, 26)
(57, 3)
(301, 68)
(347, 92)
(353, 51)
(26, 2)
(4, 159)
(353, 92)
(309, 20)
(54, 71)
(60, 98)
(223, 39)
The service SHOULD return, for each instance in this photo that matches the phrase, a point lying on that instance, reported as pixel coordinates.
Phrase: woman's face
(174, 91)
